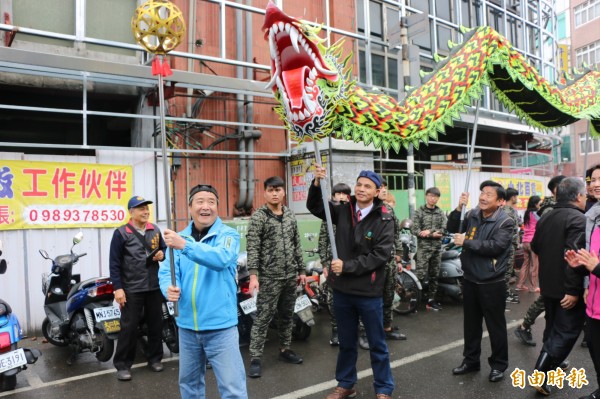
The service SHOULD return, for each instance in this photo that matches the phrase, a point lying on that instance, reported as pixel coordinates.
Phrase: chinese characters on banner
(442, 181)
(63, 195)
(303, 174)
(525, 187)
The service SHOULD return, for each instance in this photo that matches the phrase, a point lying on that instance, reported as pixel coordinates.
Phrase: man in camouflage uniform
(429, 225)
(512, 197)
(391, 270)
(274, 260)
(523, 332)
(340, 193)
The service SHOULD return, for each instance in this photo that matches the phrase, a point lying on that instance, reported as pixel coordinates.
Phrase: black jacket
(365, 247)
(485, 252)
(555, 232)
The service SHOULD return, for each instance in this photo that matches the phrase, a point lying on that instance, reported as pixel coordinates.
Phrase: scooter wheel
(46, 330)
(300, 331)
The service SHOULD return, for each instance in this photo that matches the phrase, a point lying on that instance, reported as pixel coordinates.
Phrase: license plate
(249, 305)
(107, 313)
(302, 302)
(171, 308)
(11, 360)
(112, 326)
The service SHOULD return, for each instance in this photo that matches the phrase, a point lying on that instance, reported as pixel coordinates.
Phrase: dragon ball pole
(167, 190)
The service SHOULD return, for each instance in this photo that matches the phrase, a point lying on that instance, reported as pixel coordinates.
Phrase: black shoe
(544, 389)
(593, 395)
(525, 336)
(289, 356)
(123, 375)
(394, 334)
(564, 365)
(512, 298)
(465, 368)
(334, 341)
(255, 370)
(363, 342)
(157, 367)
(433, 305)
(496, 375)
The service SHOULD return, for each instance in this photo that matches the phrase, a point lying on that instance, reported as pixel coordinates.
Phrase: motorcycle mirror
(3, 266)
(44, 254)
(78, 237)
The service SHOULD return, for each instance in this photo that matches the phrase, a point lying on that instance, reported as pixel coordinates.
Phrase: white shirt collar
(364, 211)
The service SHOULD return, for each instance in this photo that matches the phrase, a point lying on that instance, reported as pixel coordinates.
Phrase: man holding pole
(365, 239)
(485, 236)
(205, 258)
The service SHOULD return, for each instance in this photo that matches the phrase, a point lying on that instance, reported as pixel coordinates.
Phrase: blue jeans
(347, 309)
(221, 348)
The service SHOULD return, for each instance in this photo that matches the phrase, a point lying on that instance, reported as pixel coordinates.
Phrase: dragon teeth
(294, 38)
(312, 74)
(287, 27)
(306, 114)
(281, 26)
(323, 70)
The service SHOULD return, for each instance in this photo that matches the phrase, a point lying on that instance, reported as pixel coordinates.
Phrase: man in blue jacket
(205, 257)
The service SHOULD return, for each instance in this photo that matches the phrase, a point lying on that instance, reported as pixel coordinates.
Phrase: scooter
(13, 359)
(451, 273)
(408, 287)
(79, 314)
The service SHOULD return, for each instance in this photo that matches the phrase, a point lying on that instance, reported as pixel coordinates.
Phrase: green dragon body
(317, 97)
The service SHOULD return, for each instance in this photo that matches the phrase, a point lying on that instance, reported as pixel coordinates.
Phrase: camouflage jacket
(273, 245)
(547, 205)
(434, 220)
(325, 245)
(514, 215)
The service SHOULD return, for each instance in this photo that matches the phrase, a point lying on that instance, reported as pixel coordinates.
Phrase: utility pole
(410, 157)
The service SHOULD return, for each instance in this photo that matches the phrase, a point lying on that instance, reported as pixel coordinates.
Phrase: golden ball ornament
(158, 26)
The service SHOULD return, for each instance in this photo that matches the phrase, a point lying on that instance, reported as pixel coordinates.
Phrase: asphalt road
(421, 366)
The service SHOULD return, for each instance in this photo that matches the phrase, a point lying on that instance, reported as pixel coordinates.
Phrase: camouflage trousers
(389, 289)
(533, 312)
(275, 296)
(429, 259)
(510, 268)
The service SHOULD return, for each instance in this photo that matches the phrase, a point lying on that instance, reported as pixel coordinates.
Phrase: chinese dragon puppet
(317, 97)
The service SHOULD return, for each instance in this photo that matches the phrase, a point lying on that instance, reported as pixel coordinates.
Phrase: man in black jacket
(365, 239)
(562, 287)
(484, 257)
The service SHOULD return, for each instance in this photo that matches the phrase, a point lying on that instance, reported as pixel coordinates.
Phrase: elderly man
(365, 239)
(205, 257)
(556, 232)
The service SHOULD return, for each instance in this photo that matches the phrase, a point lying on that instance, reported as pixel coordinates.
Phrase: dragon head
(306, 77)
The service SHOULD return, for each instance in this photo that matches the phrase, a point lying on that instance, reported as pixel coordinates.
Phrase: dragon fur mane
(318, 98)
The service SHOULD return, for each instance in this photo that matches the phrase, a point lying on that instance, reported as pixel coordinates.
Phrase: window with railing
(593, 144)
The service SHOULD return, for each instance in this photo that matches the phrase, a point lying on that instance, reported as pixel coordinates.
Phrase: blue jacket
(205, 272)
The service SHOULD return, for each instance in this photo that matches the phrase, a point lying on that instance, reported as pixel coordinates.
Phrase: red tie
(358, 215)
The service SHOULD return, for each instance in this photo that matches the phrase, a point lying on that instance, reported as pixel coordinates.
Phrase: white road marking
(327, 385)
(36, 382)
(40, 384)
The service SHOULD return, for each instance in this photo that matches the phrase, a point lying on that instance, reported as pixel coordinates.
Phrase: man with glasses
(364, 238)
(205, 257)
(485, 237)
(275, 264)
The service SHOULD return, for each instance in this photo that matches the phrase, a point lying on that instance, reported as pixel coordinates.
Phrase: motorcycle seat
(451, 254)
(8, 308)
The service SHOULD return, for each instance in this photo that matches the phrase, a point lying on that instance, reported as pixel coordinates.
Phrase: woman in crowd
(529, 270)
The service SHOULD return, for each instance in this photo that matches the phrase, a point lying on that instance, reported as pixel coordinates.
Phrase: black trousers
(485, 302)
(563, 327)
(592, 327)
(148, 303)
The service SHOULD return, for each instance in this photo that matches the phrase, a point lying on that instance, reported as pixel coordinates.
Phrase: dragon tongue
(293, 80)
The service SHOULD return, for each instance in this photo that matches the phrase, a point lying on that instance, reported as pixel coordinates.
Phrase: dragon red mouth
(296, 64)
